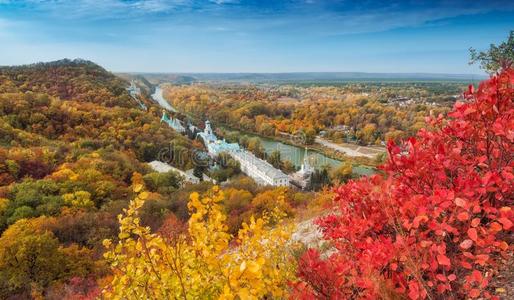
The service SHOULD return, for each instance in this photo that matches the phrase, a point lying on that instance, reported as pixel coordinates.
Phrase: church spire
(305, 167)
(164, 117)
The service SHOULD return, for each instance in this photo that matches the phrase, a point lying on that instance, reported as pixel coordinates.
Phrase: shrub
(437, 223)
(206, 263)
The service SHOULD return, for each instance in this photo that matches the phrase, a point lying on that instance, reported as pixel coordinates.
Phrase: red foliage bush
(436, 224)
(80, 289)
(172, 227)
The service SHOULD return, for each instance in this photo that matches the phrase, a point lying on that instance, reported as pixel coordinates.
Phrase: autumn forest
(107, 194)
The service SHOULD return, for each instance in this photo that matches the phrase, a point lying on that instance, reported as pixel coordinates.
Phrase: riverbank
(319, 155)
(295, 152)
(351, 149)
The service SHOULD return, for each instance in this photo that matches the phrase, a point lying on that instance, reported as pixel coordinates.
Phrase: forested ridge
(77, 79)
(70, 139)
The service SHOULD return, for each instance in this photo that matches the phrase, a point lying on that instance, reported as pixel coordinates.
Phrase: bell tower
(208, 129)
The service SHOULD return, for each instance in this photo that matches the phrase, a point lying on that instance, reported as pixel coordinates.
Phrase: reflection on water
(296, 154)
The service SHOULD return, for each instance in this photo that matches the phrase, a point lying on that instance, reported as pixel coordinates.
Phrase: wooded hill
(70, 139)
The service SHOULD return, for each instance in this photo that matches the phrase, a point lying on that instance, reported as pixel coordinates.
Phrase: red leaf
(443, 260)
(495, 227)
(504, 246)
(463, 216)
(476, 276)
(441, 288)
(474, 293)
(481, 259)
(425, 244)
(466, 265)
(507, 224)
(505, 209)
(469, 110)
(460, 202)
(475, 222)
(471, 89)
(394, 266)
(413, 290)
(441, 249)
(472, 233)
(418, 220)
(466, 244)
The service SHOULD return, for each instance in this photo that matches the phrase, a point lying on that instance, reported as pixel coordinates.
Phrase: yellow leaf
(261, 261)
(253, 267)
(138, 188)
(244, 294)
(107, 243)
(242, 267)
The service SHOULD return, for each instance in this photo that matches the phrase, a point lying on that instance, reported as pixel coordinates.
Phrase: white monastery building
(261, 171)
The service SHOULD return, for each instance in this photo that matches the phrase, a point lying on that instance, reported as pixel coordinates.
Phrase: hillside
(77, 79)
(71, 139)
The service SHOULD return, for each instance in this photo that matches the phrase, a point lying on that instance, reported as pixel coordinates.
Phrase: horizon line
(295, 72)
(484, 75)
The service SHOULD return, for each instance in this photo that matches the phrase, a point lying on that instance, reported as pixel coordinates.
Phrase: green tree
(78, 199)
(310, 136)
(29, 258)
(497, 57)
(343, 173)
(162, 182)
(255, 146)
(21, 212)
(275, 159)
(319, 179)
(220, 174)
(288, 166)
(198, 171)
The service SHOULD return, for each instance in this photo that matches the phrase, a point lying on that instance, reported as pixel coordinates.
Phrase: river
(159, 98)
(296, 154)
(292, 153)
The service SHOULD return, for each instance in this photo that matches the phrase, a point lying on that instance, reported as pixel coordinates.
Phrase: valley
(134, 187)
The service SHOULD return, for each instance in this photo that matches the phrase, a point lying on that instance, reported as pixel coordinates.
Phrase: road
(350, 150)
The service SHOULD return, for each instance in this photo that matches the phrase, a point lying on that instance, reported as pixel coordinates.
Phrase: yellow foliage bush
(79, 199)
(207, 263)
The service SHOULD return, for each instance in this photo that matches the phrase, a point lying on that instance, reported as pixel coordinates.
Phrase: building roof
(173, 123)
(215, 147)
(160, 166)
(260, 164)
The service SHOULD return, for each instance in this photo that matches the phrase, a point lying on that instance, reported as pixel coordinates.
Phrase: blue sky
(254, 36)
